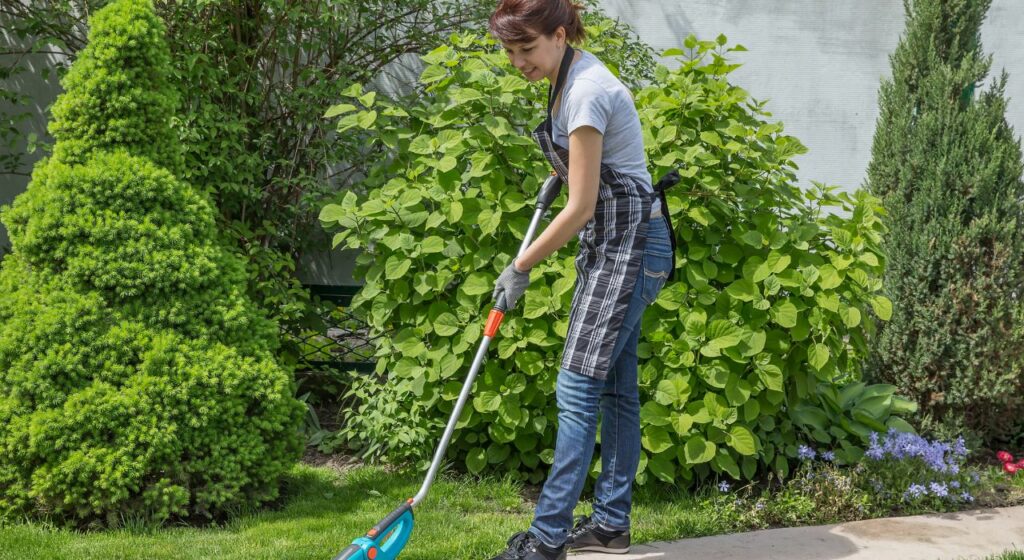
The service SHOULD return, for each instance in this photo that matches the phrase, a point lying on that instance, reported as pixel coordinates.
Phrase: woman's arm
(585, 145)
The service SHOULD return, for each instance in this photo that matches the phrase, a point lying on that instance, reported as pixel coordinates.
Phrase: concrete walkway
(952, 536)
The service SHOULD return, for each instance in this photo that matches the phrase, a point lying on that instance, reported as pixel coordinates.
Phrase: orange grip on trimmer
(493, 322)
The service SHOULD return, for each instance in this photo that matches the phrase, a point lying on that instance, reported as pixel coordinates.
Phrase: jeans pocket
(657, 266)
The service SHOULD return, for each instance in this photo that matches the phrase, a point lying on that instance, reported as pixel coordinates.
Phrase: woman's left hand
(512, 283)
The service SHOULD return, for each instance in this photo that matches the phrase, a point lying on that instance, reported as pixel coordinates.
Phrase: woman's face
(539, 58)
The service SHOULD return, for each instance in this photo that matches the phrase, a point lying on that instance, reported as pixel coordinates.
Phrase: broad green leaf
(724, 461)
(829, 277)
(487, 401)
(655, 439)
(663, 467)
(673, 391)
(753, 238)
(446, 324)
(432, 74)
(817, 356)
(698, 450)
(367, 119)
(742, 289)
(476, 460)
(340, 109)
(777, 262)
(654, 413)
(498, 453)
(432, 244)
(882, 306)
(771, 376)
(681, 422)
(828, 301)
(478, 283)
(409, 344)
(724, 334)
(850, 316)
(784, 313)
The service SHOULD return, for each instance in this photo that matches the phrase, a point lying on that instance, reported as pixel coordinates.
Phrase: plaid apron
(610, 257)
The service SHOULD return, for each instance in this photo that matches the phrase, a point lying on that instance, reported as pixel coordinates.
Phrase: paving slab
(971, 534)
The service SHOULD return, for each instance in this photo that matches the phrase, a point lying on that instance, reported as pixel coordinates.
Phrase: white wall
(43, 93)
(820, 64)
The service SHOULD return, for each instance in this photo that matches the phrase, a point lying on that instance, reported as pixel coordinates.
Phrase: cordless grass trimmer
(387, 539)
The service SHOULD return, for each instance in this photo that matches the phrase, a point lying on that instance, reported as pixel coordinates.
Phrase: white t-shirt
(593, 96)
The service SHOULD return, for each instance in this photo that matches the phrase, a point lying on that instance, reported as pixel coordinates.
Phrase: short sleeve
(587, 104)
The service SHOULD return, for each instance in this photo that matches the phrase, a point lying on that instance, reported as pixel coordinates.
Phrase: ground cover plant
(900, 474)
(758, 343)
(138, 383)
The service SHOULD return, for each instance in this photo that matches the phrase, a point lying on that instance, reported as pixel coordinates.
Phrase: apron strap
(563, 74)
(669, 180)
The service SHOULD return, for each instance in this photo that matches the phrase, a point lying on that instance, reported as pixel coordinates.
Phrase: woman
(593, 140)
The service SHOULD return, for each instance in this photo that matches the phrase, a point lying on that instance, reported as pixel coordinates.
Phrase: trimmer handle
(385, 540)
(549, 191)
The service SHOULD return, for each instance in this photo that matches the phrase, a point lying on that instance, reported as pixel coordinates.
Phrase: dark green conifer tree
(948, 168)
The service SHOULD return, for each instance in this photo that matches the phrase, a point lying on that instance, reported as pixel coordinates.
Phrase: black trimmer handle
(499, 304)
(549, 192)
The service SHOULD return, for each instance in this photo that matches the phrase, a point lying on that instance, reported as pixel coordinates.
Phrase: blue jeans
(580, 397)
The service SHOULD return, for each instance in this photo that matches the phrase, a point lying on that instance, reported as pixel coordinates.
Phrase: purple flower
(960, 447)
(759, 506)
(804, 452)
(966, 496)
(875, 452)
(723, 486)
(939, 489)
(940, 457)
(828, 456)
(954, 484)
(915, 491)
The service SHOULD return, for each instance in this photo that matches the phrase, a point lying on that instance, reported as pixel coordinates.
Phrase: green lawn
(325, 510)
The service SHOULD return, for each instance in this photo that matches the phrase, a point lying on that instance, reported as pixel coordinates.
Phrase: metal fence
(339, 340)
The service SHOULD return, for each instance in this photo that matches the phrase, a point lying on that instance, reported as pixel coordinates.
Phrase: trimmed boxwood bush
(137, 381)
(755, 349)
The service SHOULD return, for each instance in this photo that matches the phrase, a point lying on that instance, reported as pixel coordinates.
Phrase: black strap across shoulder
(669, 180)
(563, 74)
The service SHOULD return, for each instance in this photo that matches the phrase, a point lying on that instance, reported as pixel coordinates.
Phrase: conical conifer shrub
(948, 168)
(137, 381)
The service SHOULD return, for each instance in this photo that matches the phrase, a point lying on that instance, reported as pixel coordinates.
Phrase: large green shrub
(948, 168)
(137, 381)
(744, 357)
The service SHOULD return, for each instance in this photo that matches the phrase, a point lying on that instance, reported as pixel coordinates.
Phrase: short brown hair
(522, 21)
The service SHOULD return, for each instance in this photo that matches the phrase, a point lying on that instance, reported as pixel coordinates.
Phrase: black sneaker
(589, 536)
(526, 546)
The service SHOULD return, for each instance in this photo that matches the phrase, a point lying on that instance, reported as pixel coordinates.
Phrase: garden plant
(948, 169)
(756, 348)
(138, 382)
